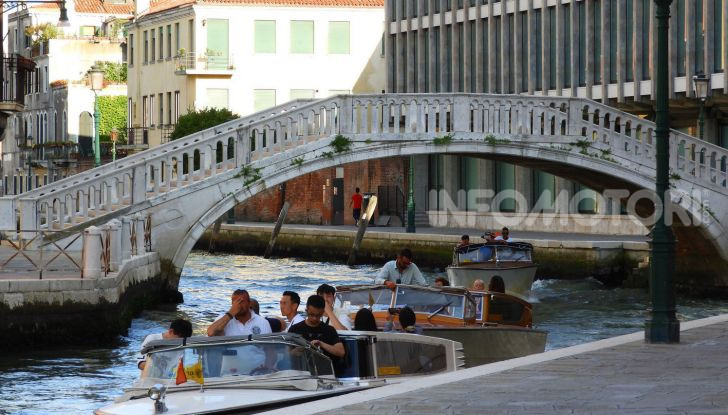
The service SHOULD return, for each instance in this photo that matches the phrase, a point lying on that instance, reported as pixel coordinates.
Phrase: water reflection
(81, 379)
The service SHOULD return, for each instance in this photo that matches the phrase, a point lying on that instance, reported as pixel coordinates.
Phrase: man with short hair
(239, 320)
(316, 332)
(407, 321)
(504, 236)
(464, 241)
(178, 329)
(356, 203)
(335, 317)
(400, 271)
(289, 303)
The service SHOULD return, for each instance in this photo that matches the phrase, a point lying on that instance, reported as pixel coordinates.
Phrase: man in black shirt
(319, 334)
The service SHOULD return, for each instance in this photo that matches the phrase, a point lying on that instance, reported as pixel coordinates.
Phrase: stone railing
(392, 117)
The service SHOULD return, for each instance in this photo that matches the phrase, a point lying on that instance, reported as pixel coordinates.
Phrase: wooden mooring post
(213, 237)
(276, 230)
(363, 223)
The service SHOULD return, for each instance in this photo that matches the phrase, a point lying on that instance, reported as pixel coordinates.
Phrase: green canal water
(78, 380)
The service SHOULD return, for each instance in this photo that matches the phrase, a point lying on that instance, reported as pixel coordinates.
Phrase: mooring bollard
(126, 225)
(114, 244)
(92, 252)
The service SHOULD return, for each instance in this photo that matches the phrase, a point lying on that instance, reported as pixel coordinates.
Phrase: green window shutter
(302, 94)
(265, 36)
(301, 36)
(339, 38)
(263, 98)
(218, 35)
(217, 98)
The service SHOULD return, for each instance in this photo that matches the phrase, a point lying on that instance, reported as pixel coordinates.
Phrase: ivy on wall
(114, 72)
(199, 120)
(113, 115)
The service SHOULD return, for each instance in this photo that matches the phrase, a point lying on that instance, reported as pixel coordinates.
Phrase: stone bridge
(187, 184)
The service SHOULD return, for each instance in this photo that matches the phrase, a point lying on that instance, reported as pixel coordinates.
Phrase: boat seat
(501, 310)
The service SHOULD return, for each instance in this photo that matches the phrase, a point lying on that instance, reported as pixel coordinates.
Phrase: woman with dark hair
(364, 320)
(497, 285)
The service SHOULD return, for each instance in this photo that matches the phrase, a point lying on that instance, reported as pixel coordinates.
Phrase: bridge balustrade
(262, 138)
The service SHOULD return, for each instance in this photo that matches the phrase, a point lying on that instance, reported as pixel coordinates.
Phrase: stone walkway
(622, 375)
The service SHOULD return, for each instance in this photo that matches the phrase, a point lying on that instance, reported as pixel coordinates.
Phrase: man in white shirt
(336, 317)
(400, 271)
(239, 320)
(179, 328)
(504, 236)
(289, 303)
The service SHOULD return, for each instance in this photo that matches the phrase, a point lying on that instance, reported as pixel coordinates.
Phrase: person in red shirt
(356, 202)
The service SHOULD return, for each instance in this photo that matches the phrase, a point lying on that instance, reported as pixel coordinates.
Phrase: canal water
(76, 381)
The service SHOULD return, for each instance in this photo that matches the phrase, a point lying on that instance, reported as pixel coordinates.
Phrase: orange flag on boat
(181, 377)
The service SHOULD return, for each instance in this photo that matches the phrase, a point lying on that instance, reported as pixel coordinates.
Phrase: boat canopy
(240, 356)
(494, 252)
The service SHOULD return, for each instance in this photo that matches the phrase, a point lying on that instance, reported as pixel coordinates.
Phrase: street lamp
(114, 137)
(662, 326)
(702, 83)
(96, 74)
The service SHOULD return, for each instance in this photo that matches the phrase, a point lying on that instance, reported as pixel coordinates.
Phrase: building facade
(246, 55)
(51, 138)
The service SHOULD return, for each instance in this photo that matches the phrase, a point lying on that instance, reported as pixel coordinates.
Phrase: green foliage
(248, 174)
(492, 140)
(114, 72)
(43, 31)
(113, 115)
(203, 119)
(583, 145)
(442, 141)
(298, 161)
(341, 144)
(368, 141)
(327, 154)
(675, 176)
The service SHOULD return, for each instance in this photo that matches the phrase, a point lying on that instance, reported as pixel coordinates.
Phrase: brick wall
(311, 196)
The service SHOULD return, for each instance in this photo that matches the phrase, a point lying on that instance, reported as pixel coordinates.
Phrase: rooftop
(95, 6)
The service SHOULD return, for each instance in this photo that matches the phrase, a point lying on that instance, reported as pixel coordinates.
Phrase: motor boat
(246, 374)
(512, 261)
(490, 326)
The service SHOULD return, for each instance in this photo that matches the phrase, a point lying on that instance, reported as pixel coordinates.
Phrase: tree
(199, 120)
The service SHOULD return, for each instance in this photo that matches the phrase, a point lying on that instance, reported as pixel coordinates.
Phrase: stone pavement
(622, 375)
(474, 233)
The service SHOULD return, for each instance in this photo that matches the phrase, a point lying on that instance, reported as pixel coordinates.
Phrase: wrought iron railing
(28, 252)
(137, 136)
(15, 78)
(203, 61)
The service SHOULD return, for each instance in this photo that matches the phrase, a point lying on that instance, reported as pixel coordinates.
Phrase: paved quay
(620, 375)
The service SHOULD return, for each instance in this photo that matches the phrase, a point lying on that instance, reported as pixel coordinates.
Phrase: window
(679, 20)
(218, 97)
(146, 47)
(151, 110)
(145, 118)
(339, 34)
(161, 42)
(154, 46)
(160, 96)
(45, 78)
(176, 38)
(129, 108)
(169, 108)
(718, 36)
(87, 30)
(169, 41)
(191, 35)
(302, 94)
(176, 106)
(301, 36)
(265, 36)
(131, 49)
(263, 98)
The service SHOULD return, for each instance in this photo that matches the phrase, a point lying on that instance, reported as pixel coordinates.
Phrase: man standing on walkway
(400, 271)
(239, 320)
(356, 203)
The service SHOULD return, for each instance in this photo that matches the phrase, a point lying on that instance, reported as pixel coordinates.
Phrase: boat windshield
(513, 253)
(426, 301)
(235, 359)
(379, 298)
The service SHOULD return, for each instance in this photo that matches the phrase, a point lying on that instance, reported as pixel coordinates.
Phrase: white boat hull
(518, 279)
(483, 345)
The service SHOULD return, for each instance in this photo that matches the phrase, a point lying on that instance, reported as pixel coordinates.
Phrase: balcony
(166, 131)
(14, 82)
(137, 139)
(211, 63)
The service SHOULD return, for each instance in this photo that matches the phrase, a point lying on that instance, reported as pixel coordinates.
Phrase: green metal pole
(662, 326)
(113, 152)
(97, 125)
(411, 197)
(701, 119)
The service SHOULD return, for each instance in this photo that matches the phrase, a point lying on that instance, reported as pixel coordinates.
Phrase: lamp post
(97, 84)
(662, 326)
(701, 82)
(114, 137)
(411, 197)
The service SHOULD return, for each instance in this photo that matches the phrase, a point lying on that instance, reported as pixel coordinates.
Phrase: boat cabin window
(475, 253)
(379, 298)
(513, 253)
(405, 358)
(504, 309)
(236, 359)
(424, 301)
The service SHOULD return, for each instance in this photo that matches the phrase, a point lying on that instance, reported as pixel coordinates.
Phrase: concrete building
(246, 56)
(51, 138)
